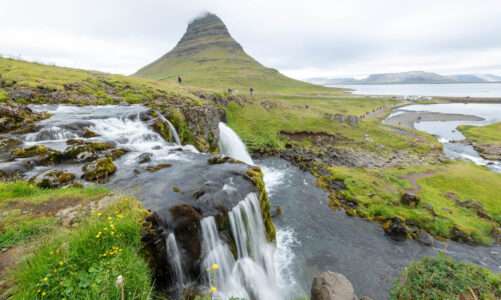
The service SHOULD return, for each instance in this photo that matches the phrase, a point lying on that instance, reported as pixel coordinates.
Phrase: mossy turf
(443, 278)
(456, 195)
(490, 134)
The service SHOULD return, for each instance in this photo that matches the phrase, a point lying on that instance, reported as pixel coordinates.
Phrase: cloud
(300, 38)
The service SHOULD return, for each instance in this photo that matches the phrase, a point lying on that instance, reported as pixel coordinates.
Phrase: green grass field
(441, 189)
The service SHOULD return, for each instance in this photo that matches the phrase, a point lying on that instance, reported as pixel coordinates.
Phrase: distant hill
(412, 77)
(208, 56)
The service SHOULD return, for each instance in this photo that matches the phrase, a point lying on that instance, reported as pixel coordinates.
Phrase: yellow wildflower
(213, 290)
(46, 279)
(214, 267)
(99, 214)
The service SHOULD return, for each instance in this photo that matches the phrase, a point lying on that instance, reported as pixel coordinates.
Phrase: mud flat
(407, 119)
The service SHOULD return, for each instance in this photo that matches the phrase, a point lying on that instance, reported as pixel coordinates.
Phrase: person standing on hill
(179, 79)
(251, 91)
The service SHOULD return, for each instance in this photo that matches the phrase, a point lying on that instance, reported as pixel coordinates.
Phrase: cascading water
(172, 129)
(231, 145)
(252, 275)
(174, 257)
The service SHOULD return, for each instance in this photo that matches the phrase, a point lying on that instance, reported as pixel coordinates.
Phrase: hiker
(179, 79)
(251, 91)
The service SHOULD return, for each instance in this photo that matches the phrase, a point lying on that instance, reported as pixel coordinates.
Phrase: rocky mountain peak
(203, 32)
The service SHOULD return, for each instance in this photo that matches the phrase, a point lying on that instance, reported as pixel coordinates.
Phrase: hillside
(208, 56)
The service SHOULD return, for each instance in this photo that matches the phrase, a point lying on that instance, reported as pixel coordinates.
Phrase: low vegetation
(443, 278)
(456, 200)
(490, 134)
(78, 262)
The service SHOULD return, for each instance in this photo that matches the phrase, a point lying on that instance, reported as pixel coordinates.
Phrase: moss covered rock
(256, 176)
(99, 170)
(54, 179)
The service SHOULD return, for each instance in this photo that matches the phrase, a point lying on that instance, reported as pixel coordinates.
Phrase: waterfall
(252, 274)
(174, 259)
(172, 129)
(231, 145)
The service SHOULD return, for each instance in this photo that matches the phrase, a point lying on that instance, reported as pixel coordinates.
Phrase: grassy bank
(81, 260)
(453, 196)
(442, 277)
(490, 134)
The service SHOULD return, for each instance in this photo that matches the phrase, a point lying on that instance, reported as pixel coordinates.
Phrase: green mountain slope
(208, 56)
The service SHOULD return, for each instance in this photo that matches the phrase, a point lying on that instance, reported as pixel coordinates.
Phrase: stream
(321, 239)
(446, 131)
(311, 237)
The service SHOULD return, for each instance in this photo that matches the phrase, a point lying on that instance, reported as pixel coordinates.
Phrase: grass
(260, 127)
(489, 134)
(85, 87)
(220, 69)
(22, 191)
(377, 193)
(443, 278)
(25, 217)
(85, 262)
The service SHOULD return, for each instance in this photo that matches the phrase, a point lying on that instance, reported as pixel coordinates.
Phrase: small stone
(424, 238)
(409, 199)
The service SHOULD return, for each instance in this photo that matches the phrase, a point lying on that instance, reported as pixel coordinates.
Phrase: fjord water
(447, 132)
(445, 90)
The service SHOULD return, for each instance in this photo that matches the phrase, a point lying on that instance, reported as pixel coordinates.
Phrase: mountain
(412, 77)
(406, 77)
(208, 56)
(490, 77)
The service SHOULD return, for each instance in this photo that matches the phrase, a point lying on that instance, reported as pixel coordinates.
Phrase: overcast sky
(302, 39)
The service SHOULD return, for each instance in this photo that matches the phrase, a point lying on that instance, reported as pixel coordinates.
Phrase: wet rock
(277, 212)
(144, 158)
(54, 179)
(219, 159)
(89, 133)
(156, 168)
(424, 238)
(13, 170)
(14, 116)
(332, 286)
(410, 199)
(99, 170)
(84, 151)
(32, 151)
(396, 229)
